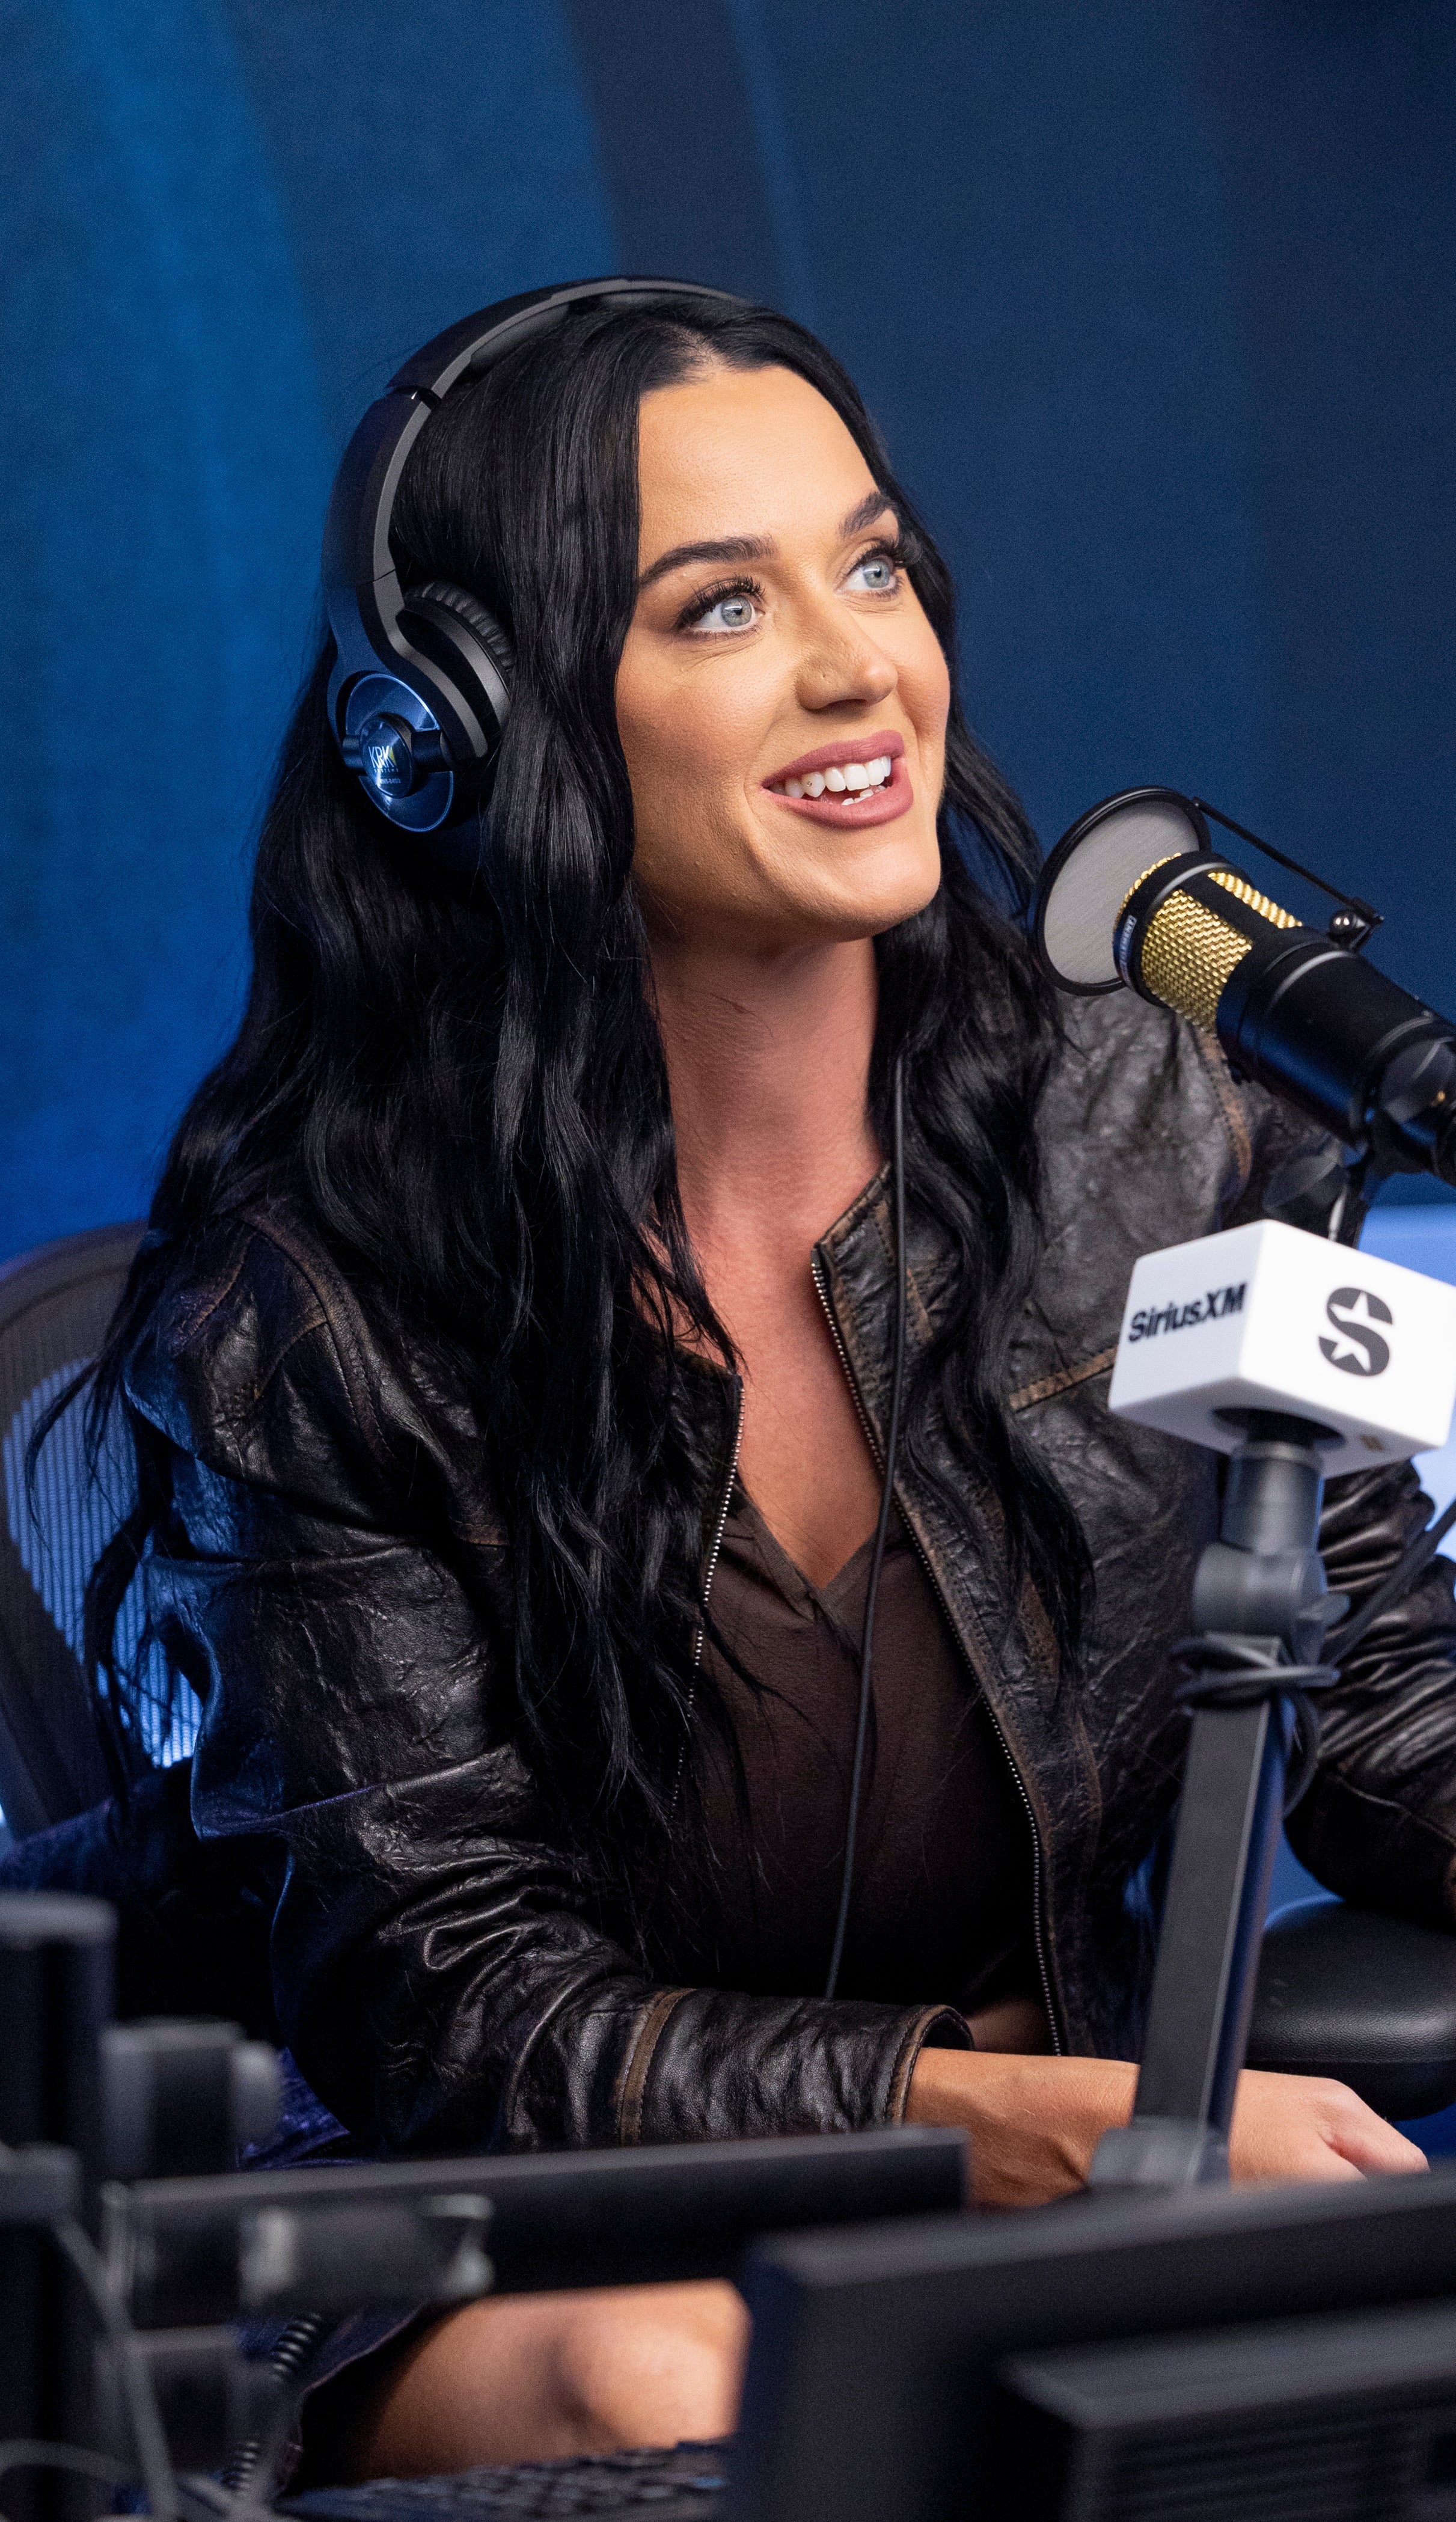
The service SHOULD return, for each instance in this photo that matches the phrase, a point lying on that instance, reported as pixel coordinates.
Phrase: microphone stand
(1262, 1608)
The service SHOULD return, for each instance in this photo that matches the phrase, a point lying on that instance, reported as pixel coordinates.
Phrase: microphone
(1134, 895)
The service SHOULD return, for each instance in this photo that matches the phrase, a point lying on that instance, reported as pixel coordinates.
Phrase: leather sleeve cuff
(636, 2066)
(938, 2026)
(706, 2062)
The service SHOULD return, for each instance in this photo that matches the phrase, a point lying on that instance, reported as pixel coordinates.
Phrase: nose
(842, 663)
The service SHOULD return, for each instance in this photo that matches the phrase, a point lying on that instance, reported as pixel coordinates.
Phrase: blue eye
(735, 611)
(876, 572)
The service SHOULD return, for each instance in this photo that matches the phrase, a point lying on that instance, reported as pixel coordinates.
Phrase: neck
(767, 1062)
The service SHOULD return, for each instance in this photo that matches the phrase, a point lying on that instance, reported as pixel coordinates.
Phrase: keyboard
(676, 2486)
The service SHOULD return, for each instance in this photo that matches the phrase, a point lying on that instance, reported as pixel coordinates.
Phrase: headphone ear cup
(487, 679)
(475, 651)
(476, 617)
(463, 671)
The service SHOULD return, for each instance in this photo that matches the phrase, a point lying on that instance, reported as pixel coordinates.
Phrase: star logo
(1356, 1348)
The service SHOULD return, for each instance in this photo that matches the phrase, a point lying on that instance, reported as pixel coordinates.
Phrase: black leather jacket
(332, 1586)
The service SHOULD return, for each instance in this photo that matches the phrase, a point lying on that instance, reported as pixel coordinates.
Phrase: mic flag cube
(1268, 1318)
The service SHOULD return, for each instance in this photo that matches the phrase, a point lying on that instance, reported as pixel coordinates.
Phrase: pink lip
(834, 756)
(882, 804)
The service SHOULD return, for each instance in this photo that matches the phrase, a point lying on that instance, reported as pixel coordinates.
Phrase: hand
(1308, 2127)
(1034, 2123)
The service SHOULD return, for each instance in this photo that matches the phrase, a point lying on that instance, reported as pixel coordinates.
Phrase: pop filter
(1093, 869)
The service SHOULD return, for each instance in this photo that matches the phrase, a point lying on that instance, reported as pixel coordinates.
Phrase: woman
(509, 1361)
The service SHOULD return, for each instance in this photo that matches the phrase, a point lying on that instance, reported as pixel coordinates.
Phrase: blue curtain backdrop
(1156, 302)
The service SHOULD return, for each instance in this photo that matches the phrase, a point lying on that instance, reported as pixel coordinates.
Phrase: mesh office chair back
(55, 1304)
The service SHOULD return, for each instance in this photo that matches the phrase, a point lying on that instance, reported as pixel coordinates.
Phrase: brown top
(942, 1904)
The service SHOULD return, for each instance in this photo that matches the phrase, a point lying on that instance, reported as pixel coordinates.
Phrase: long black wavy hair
(461, 1086)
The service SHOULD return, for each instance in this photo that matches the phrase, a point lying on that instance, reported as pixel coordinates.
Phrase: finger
(1359, 2133)
(1289, 2155)
(1376, 2146)
(1325, 2164)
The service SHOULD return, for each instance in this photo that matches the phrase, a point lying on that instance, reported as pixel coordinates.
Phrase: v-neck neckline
(797, 1588)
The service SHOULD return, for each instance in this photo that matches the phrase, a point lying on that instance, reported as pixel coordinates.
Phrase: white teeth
(855, 779)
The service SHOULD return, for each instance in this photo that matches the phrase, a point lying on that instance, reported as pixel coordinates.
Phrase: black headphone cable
(877, 1555)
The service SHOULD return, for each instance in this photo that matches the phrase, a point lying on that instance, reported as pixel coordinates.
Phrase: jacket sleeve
(436, 1979)
(1378, 1821)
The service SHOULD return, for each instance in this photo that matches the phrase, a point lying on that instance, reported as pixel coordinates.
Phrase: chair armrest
(1368, 1999)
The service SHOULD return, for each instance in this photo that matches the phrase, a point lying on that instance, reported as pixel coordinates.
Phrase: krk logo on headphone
(1357, 1350)
(387, 763)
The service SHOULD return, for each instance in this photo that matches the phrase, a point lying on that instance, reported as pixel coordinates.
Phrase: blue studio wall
(1157, 303)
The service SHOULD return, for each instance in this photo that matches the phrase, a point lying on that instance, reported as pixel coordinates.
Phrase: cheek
(665, 738)
(925, 689)
(685, 739)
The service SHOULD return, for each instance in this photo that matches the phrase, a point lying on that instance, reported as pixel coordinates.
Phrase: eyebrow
(758, 547)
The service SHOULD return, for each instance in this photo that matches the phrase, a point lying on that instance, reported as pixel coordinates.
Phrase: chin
(876, 908)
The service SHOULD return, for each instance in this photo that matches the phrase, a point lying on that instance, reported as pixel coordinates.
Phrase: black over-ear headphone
(421, 685)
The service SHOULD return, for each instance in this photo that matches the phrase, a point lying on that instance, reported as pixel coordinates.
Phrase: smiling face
(782, 697)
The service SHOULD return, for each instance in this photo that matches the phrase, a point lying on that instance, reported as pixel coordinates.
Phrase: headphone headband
(421, 683)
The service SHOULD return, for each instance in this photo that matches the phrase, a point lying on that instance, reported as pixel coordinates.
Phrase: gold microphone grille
(1188, 951)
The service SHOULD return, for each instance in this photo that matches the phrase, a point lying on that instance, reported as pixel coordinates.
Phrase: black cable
(886, 1500)
(1343, 1641)
(1233, 1672)
(21, 2453)
(169, 2495)
(149, 2434)
(286, 2358)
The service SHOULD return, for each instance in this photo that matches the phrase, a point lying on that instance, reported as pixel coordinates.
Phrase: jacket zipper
(1038, 1923)
(709, 1573)
(711, 1570)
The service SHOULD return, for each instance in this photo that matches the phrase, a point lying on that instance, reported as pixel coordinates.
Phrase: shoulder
(256, 1357)
(1126, 1073)
(1147, 1139)
(1141, 1106)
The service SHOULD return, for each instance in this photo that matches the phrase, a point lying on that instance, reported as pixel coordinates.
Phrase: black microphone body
(1355, 1051)
(1293, 1009)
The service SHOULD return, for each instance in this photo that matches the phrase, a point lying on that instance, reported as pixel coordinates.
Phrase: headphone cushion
(477, 617)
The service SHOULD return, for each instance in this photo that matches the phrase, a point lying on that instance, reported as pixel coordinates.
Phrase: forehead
(743, 452)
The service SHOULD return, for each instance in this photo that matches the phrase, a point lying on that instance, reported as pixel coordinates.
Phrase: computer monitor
(1254, 2355)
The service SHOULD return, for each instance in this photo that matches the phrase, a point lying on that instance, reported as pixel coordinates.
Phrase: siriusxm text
(1210, 1307)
